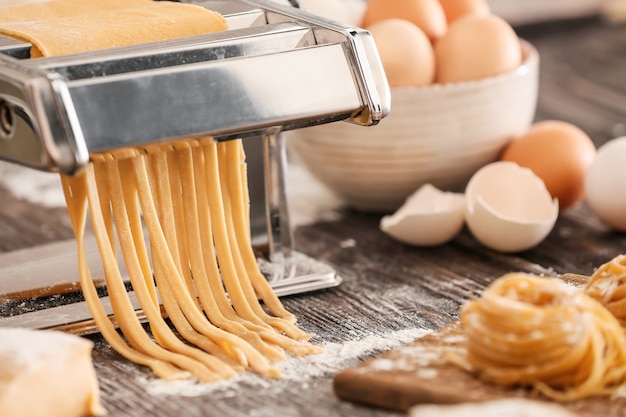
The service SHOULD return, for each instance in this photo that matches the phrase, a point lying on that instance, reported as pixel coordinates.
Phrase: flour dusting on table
(337, 356)
(43, 188)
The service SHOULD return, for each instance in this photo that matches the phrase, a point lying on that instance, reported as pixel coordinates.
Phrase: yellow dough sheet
(62, 27)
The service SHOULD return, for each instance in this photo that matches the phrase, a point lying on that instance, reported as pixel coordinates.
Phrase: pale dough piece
(142, 22)
(513, 407)
(39, 368)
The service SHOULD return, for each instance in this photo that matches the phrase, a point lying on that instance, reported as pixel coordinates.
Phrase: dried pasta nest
(542, 333)
(608, 286)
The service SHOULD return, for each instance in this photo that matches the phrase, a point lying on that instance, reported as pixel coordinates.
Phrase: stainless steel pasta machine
(277, 68)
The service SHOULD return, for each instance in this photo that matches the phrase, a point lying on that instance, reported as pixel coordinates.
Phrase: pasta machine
(277, 68)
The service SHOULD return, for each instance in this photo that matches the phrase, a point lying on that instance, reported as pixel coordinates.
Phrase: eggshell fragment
(429, 217)
(605, 184)
(508, 208)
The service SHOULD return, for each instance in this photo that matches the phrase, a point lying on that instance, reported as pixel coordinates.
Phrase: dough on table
(39, 368)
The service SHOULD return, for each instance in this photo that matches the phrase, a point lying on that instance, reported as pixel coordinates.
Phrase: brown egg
(475, 47)
(557, 152)
(455, 9)
(405, 51)
(426, 14)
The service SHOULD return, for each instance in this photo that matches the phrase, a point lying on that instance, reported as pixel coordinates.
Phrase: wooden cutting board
(416, 373)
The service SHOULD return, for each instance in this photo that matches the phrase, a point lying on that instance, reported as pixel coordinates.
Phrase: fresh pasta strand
(539, 332)
(122, 307)
(230, 159)
(220, 238)
(177, 221)
(289, 341)
(232, 344)
(213, 276)
(234, 275)
(188, 359)
(253, 282)
(222, 314)
(76, 191)
(156, 161)
(216, 288)
(224, 245)
(128, 224)
(156, 158)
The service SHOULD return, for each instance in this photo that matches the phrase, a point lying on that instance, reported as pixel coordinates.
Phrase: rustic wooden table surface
(391, 293)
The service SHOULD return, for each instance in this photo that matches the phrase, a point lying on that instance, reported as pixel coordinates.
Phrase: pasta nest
(542, 333)
(608, 286)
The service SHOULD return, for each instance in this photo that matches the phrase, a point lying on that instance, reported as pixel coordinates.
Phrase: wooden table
(391, 293)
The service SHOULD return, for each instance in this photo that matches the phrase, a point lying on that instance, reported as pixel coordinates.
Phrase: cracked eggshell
(509, 208)
(429, 217)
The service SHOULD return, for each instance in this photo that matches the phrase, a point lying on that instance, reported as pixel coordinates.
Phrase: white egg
(508, 208)
(429, 217)
(605, 184)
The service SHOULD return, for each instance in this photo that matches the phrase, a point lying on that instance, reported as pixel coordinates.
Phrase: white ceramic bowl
(440, 134)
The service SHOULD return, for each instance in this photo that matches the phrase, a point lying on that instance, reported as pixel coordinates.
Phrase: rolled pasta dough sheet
(38, 369)
(61, 27)
(34, 10)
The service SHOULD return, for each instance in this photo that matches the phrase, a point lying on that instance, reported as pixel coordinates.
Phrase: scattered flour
(454, 339)
(348, 243)
(408, 358)
(427, 373)
(423, 356)
(336, 356)
(43, 188)
(383, 364)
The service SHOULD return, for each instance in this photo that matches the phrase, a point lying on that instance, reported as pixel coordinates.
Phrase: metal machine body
(277, 68)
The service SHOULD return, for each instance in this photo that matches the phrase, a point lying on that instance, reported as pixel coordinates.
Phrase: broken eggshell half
(508, 208)
(429, 217)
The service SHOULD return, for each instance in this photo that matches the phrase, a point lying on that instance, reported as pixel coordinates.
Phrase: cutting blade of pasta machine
(277, 68)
